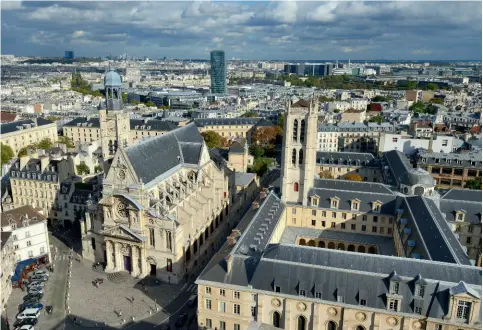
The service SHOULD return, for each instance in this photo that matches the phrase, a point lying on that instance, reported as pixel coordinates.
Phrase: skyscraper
(69, 55)
(218, 72)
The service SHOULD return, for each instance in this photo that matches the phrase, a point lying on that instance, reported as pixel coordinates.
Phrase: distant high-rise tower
(218, 72)
(69, 55)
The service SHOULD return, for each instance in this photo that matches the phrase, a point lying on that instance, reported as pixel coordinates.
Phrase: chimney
(23, 161)
(229, 262)
(233, 238)
(430, 146)
(44, 162)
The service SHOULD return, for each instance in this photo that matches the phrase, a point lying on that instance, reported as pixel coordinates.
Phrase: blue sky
(249, 30)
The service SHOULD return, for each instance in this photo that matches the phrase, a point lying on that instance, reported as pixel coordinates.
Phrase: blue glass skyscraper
(218, 72)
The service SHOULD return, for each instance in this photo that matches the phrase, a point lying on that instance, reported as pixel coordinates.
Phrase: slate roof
(345, 158)
(403, 172)
(19, 214)
(462, 199)
(5, 235)
(13, 126)
(237, 148)
(255, 121)
(463, 160)
(372, 187)
(90, 122)
(32, 170)
(243, 179)
(154, 124)
(301, 104)
(155, 156)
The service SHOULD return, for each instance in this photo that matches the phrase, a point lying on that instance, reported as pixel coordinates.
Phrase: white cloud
(216, 40)
(284, 11)
(78, 34)
(10, 5)
(421, 51)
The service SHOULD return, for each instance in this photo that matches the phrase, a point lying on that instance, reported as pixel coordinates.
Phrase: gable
(124, 233)
(121, 171)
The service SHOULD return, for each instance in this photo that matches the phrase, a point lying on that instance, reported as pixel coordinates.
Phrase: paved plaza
(119, 298)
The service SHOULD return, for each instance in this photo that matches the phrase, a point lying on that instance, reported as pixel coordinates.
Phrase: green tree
(325, 99)
(98, 169)
(82, 169)
(336, 111)
(380, 98)
(150, 104)
(250, 114)
(474, 184)
(436, 100)
(45, 144)
(52, 118)
(412, 85)
(7, 153)
(280, 121)
(212, 139)
(67, 141)
(256, 151)
(376, 119)
(431, 87)
(124, 97)
(417, 107)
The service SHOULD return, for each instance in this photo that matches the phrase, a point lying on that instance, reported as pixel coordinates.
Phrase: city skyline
(248, 30)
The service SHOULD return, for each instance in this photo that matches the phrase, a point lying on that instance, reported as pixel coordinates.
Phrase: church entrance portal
(153, 270)
(127, 263)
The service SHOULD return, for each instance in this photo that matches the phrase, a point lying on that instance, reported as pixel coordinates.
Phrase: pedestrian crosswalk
(61, 257)
(192, 288)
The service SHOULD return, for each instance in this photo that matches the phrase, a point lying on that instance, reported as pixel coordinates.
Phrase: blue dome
(112, 78)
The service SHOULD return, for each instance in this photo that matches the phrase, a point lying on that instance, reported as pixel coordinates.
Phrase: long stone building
(339, 255)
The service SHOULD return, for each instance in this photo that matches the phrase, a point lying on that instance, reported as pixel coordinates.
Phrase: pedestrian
(145, 289)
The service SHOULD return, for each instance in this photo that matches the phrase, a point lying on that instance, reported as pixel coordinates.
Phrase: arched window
(331, 245)
(302, 241)
(361, 249)
(340, 246)
(302, 131)
(295, 186)
(372, 250)
(360, 327)
(351, 248)
(301, 323)
(419, 191)
(294, 157)
(276, 319)
(331, 325)
(301, 157)
(321, 244)
(295, 129)
(311, 243)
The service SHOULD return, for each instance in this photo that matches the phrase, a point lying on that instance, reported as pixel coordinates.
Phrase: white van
(29, 313)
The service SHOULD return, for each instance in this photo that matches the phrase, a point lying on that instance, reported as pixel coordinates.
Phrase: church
(165, 201)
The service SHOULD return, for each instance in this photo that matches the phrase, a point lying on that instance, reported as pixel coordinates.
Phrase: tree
(376, 119)
(23, 152)
(417, 107)
(326, 174)
(280, 121)
(256, 151)
(474, 184)
(212, 139)
(7, 153)
(45, 144)
(431, 87)
(98, 169)
(124, 97)
(412, 85)
(380, 98)
(436, 100)
(67, 141)
(82, 169)
(353, 177)
(336, 111)
(150, 104)
(325, 99)
(265, 135)
(250, 114)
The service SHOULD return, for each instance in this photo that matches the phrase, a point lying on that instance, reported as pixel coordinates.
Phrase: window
(364, 218)
(394, 139)
(169, 265)
(296, 186)
(27, 234)
(313, 222)
(208, 303)
(332, 225)
(344, 216)
(314, 212)
(340, 299)
(236, 326)
(301, 157)
(277, 288)
(445, 143)
(222, 292)
(468, 240)
(42, 249)
(438, 327)
(354, 216)
(31, 254)
(16, 247)
(363, 227)
(323, 224)
(318, 295)
(394, 287)
(294, 221)
(222, 325)
(418, 310)
(222, 307)
(29, 243)
(324, 214)
(294, 157)
(302, 293)
(236, 309)
(460, 216)
(393, 305)
(470, 229)
(363, 302)
(376, 208)
(389, 231)
(14, 237)
(236, 294)
(209, 324)
(353, 227)
(374, 229)
(208, 290)
(253, 311)
(342, 225)
(334, 203)
(294, 211)
(355, 206)
(463, 311)
(374, 219)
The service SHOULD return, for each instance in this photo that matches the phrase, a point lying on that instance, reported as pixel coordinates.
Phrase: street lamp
(132, 303)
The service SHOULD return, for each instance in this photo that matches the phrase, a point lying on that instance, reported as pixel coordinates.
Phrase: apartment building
(232, 128)
(8, 266)
(353, 116)
(341, 164)
(324, 254)
(450, 170)
(420, 130)
(29, 232)
(419, 95)
(351, 137)
(19, 134)
(86, 130)
(409, 145)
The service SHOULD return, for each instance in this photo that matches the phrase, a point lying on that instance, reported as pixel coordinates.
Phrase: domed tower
(113, 120)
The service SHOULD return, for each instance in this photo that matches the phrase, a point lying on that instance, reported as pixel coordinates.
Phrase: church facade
(165, 201)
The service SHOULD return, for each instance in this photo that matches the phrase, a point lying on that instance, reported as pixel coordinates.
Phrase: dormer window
(315, 200)
(334, 202)
(460, 215)
(355, 204)
(302, 293)
(376, 206)
(419, 290)
(394, 287)
(463, 311)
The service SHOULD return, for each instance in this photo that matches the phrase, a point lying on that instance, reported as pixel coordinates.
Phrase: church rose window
(121, 210)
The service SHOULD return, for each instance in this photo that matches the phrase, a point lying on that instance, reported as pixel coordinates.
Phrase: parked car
(32, 305)
(29, 313)
(26, 327)
(31, 300)
(36, 289)
(192, 300)
(27, 321)
(42, 272)
(182, 318)
(41, 278)
(36, 283)
(36, 295)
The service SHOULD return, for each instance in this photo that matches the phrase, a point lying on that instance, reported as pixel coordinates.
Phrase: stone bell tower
(299, 151)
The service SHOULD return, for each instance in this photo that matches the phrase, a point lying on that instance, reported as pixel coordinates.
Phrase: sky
(263, 30)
